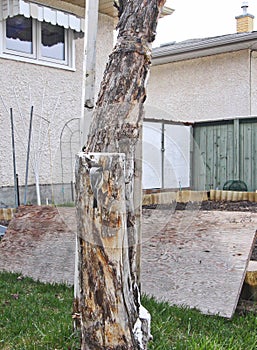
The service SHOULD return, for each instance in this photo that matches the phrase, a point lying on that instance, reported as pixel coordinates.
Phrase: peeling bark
(109, 193)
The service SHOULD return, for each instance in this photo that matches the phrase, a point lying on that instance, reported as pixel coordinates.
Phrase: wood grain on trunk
(109, 191)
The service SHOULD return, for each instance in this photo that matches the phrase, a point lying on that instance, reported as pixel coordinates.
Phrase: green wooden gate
(224, 150)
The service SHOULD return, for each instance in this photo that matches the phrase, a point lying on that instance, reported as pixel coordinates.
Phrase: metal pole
(72, 191)
(37, 189)
(28, 153)
(18, 191)
(14, 161)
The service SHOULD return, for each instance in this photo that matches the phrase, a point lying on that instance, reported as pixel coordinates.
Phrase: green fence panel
(227, 150)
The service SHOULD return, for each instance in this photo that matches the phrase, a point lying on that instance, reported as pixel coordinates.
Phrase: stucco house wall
(216, 86)
(56, 96)
(205, 88)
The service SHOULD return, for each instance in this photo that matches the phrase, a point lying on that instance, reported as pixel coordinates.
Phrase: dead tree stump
(109, 314)
(108, 187)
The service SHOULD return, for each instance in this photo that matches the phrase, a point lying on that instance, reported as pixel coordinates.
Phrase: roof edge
(225, 43)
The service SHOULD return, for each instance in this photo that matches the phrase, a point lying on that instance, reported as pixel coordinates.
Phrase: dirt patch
(224, 206)
(240, 206)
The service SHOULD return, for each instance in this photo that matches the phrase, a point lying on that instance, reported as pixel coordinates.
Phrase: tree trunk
(108, 186)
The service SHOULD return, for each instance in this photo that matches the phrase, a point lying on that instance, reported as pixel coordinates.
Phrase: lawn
(37, 316)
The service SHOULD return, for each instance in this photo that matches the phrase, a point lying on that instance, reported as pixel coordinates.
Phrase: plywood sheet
(197, 259)
(189, 258)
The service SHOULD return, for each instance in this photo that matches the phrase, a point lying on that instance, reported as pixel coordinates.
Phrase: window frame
(50, 59)
(36, 56)
(16, 52)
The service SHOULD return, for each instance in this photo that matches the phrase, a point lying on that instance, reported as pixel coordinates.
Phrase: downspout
(250, 79)
(250, 82)
(163, 156)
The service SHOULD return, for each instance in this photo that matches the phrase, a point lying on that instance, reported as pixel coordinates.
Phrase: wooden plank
(254, 156)
(203, 155)
(42, 246)
(224, 153)
(201, 266)
(245, 159)
(249, 291)
(6, 214)
(209, 158)
(236, 150)
(218, 157)
(230, 152)
(251, 273)
(215, 160)
(196, 158)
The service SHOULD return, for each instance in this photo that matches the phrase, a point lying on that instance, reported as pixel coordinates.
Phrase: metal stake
(28, 154)
(14, 161)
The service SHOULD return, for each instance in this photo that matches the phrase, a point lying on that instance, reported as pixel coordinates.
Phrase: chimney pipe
(244, 22)
(244, 7)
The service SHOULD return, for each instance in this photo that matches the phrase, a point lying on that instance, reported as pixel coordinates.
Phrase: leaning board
(196, 258)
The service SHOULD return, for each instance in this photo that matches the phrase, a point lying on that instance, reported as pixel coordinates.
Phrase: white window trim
(36, 57)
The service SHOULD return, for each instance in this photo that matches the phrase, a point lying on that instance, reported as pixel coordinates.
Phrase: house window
(40, 41)
(53, 41)
(19, 34)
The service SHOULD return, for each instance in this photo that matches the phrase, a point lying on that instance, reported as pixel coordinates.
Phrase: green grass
(37, 316)
(175, 328)
(66, 205)
(34, 315)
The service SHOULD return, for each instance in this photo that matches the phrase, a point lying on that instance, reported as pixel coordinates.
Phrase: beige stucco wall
(207, 88)
(56, 96)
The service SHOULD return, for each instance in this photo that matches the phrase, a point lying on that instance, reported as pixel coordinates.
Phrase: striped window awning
(11, 8)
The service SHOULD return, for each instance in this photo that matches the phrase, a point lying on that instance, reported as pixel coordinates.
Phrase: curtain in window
(51, 35)
(19, 27)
